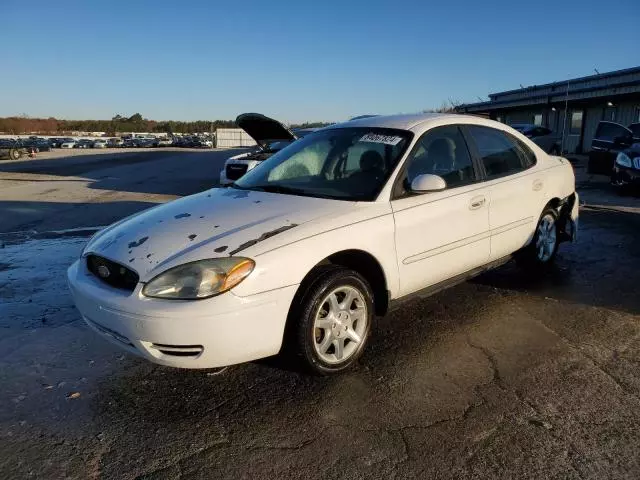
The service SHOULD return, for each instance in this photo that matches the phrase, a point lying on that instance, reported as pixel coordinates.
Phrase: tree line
(118, 124)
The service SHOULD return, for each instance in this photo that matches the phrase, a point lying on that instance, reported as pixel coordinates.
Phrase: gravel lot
(504, 377)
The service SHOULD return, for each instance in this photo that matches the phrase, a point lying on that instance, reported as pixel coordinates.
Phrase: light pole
(564, 122)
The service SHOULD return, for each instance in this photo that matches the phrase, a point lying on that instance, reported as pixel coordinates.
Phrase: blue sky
(297, 61)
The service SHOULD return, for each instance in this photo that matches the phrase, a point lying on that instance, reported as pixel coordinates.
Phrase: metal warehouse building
(613, 96)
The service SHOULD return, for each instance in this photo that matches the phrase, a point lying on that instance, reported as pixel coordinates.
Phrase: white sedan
(69, 144)
(270, 136)
(303, 251)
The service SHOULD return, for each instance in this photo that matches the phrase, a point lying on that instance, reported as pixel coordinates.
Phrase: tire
(329, 336)
(15, 154)
(542, 250)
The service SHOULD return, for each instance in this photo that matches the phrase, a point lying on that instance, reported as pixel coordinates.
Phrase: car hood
(214, 223)
(264, 129)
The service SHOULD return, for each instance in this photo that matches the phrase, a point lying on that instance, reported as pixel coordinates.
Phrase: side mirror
(428, 183)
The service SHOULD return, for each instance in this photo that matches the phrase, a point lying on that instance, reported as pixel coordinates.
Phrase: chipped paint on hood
(206, 225)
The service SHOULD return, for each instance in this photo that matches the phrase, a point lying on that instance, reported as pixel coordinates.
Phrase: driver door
(440, 234)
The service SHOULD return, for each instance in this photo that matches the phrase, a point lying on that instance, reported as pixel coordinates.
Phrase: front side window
(576, 123)
(339, 163)
(537, 119)
(501, 153)
(443, 152)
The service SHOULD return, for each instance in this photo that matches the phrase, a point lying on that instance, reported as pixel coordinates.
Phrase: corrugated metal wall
(233, 137)
(624, 113)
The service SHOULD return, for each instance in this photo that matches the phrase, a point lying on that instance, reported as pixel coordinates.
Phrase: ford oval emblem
(103, 271)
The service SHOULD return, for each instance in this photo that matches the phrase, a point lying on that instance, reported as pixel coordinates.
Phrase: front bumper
(214, 332)
(625, 175)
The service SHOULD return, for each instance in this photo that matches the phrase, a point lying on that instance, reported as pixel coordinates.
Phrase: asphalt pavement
(508, 376)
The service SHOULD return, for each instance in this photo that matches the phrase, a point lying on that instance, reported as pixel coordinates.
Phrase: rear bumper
(215, 332)
(569, 217)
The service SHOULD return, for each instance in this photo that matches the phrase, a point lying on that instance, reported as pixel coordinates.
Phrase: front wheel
(333, 320)
(15, 154)
(543, 248)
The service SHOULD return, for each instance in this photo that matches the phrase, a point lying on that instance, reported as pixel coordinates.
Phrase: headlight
(623, 160)
(201, 279)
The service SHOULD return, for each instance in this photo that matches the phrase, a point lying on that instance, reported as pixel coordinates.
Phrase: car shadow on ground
(104, 171)
(608, 248)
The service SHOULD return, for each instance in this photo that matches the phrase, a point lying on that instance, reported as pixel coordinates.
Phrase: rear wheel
(543, 248)
(332, 323)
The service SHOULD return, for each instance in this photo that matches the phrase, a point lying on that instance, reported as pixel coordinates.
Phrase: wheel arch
(360, 261)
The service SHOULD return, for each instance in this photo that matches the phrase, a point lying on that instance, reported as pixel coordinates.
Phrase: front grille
(636, 162)
(235, 170)
(112, 273)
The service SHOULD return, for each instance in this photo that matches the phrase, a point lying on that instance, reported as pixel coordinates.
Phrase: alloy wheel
(340, 324)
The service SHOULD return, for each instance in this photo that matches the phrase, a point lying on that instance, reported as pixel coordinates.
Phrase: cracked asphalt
(507, 376)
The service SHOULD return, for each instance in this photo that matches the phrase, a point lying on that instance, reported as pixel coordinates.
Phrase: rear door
(516, 188)
(610, 138)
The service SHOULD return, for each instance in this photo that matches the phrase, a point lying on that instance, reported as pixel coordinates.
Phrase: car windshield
(340, 163)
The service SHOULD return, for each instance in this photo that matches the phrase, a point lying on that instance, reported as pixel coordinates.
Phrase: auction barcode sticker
(376, 138)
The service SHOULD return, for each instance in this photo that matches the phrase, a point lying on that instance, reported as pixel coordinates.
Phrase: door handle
(476, 203)
(537, 185)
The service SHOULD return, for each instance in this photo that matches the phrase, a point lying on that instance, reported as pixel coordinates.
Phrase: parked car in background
(205, 142)
(145, 142)
(301, 254)
(11, 149)
(128, 143)
(541, 136)
(99, 143)
(84, 143)
(271, 137)
(164, 142)
(609, 140)
(115, 142)
(36, 144)
(69, 143)
(55, 142)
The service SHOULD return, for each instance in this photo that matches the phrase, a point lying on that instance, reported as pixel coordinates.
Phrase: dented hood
(264, 129)
(214, 223)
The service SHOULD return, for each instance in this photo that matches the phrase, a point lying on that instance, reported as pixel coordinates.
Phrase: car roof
(417, 122)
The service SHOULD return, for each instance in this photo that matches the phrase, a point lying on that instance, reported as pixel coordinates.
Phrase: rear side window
(501, 154)
(609, 131)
